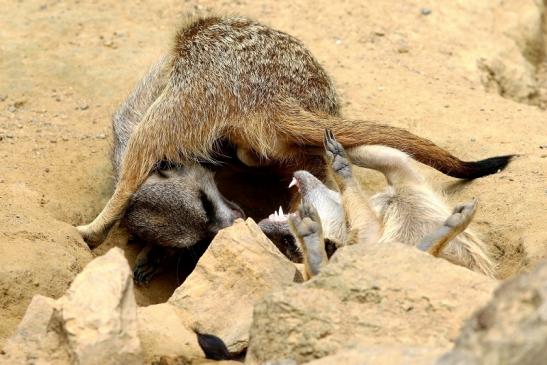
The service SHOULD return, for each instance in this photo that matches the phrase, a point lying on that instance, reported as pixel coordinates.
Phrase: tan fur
(260, 89)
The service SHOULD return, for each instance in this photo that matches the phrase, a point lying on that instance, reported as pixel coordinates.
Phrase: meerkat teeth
(281, 211)
(293, 182)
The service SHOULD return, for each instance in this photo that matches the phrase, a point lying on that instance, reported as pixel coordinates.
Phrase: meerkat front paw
(150, 262)
(337, 157)
(306, 222)
(306, 227)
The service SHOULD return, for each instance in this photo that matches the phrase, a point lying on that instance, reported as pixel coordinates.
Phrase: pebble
(543, 146)
(403, 48)
(101, 136)
(425, 11)
(3, 97)
(19, 103)
(46, 169)
(83, 106)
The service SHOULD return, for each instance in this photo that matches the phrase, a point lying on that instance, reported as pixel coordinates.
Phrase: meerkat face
(328, 204)
(179, 207)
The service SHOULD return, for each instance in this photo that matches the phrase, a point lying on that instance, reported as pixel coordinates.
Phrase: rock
(99, 313)
(239, 268)
(388, 294)
(94, 323)
(38, 254)
(381, 355)
(511, 329)
(37, 339)
(163, 334)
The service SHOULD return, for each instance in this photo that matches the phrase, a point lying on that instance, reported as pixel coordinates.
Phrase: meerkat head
(328, 204)
(179, 207)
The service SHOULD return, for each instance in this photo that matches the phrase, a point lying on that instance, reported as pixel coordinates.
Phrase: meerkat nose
(293, 182)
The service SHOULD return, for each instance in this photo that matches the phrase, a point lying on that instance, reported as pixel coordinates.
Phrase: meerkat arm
(363, 225)
(462, 215)
(305, 225)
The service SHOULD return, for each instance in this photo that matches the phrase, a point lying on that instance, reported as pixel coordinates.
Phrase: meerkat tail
(308, 128)
(213, 347)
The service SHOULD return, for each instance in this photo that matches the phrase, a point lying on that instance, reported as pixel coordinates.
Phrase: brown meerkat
(230, 78)
(408, 211)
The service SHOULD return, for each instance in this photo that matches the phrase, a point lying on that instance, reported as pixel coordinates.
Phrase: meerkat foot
(462, 215)
(337, 157)
(92, 237)
(455, 224)
(306, 227)
(148, 264)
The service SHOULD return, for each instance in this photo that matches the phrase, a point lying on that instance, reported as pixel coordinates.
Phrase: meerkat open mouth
(278, 216)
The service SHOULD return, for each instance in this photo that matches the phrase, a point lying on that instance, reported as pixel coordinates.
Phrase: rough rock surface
(162, 333)
(376, 355)
(383, 294)
(239, 268)
(95, 323)
(511, 329)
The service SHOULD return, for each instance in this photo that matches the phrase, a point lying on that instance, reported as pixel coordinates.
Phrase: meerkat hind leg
(462, 215)
(305, 225)
(363, 224)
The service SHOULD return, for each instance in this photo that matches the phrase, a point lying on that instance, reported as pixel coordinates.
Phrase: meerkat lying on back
(408, 212)
(261, 90)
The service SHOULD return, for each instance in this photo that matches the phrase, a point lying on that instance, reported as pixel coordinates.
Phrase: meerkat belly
(408, 213)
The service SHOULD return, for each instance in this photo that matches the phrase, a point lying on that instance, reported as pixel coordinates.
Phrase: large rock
(381, 294)
(511, 329)
(238, 269)
(94, 323)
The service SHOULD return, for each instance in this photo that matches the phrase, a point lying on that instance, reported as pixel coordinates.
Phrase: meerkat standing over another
(408, 212)
(260, 89)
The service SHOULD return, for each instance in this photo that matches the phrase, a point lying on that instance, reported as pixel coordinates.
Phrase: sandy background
(435, 67)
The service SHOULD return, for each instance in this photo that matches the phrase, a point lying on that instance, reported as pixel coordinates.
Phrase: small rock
(403, 48)
(46, 169)
(3, 97)
(425, 11)
(101, 136)
(162, 332)
(472, 140)
(543, 146)
(83, 106)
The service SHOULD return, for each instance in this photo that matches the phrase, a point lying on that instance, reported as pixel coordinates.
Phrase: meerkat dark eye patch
(208, 207)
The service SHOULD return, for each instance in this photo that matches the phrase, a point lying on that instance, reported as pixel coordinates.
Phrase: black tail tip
(213, 347)
(489, 166)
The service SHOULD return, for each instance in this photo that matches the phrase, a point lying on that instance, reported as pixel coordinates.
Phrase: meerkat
(230, 78)
(408, 211)
(177, 206)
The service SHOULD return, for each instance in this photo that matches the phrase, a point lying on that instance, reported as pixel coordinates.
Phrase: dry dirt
(435, 67)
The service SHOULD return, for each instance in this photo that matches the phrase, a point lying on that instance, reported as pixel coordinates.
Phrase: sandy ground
(65, 65)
